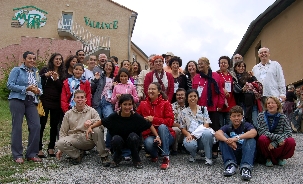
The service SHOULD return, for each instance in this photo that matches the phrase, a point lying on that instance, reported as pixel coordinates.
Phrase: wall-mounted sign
(32, 16)
(101, 25)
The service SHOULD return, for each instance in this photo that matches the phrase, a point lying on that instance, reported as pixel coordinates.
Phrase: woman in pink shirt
(121, 86)
(211, 94)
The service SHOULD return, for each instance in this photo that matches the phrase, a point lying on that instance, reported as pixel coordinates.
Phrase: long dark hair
(187, 94)
(186, 67)
(69, 59)
(117, 78)
(164, 96)
(51, 67)
(139, 67)
(126, 97)
(244, 77)
(113, 68)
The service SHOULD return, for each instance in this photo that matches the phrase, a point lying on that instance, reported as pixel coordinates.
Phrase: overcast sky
(209, 28)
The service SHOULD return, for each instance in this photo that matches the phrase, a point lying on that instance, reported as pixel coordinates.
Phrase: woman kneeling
(194, 124)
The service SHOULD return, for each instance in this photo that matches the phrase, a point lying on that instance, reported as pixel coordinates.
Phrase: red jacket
(218, 99)
(170, 89)
(162, 112)
(231, 99)
(117, 68)
(66, 95)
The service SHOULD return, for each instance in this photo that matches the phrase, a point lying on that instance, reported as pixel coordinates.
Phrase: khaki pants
(178, 139)
(73, 144)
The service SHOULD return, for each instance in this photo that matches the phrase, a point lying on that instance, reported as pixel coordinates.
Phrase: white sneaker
(230, 170)
(192, 159)
(208, 161)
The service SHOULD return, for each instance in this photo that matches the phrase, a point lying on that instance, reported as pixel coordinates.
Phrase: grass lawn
(7, 166)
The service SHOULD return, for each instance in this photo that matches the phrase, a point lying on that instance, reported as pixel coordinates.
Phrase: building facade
(278, 28)
(65, 26)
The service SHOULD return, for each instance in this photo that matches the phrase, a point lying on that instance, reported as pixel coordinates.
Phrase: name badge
(135, 81)
(109, 93)
(176, 86)
(200, 90)
(228, 86)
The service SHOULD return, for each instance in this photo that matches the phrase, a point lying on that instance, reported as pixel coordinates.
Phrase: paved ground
(180, 171)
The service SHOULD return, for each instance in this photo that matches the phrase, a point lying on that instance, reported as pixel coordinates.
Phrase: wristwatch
(157, 136)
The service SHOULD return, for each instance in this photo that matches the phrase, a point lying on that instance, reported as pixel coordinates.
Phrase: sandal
(114, 165)
(51, 154)
(138, 165)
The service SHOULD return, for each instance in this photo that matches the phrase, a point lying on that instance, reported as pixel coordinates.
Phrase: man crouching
(72, 135)
(237, 144)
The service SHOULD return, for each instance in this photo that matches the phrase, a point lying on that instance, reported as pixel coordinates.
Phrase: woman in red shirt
(165, 79)
(159, 112)
(211, 95)
(227, 80)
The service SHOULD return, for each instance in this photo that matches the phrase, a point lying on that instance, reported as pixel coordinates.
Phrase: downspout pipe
(134, 15)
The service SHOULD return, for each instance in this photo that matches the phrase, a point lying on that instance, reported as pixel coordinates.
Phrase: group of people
(163, 108)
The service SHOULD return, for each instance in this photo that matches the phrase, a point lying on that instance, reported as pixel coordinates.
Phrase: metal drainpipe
(129, 34)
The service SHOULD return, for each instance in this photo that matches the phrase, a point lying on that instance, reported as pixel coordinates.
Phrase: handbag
(40, 109)
(237, 88)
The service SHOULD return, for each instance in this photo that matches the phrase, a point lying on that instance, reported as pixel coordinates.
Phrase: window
(67, 19)
(256, 52)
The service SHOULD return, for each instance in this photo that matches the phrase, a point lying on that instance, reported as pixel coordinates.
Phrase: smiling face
(78, 71)
(153, 92)
(192, 69)
(180, 96)
(81, 56)
(158, 64)
(126, 65)
(108, 68)
(175, 66)
(192, 98)
(223, 65)
(127, 107)
(202, 65)
(264, 54)
(102, 59)
(73, 62)
(91, 62)
(30, 61)
(236, 119)
(57, 61)
(272, 106)
(123, 78)
(240, 68)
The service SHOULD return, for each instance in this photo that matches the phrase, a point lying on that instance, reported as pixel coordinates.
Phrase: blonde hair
(205, 60)
(277, 102)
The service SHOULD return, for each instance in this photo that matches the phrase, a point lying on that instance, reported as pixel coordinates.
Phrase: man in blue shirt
(237, 144)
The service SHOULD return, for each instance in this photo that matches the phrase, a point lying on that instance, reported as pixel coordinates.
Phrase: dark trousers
(214, 116)
(133, 142)
(55, 119)
(18, 109)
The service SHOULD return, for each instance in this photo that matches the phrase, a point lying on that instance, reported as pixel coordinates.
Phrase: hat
(168, 54)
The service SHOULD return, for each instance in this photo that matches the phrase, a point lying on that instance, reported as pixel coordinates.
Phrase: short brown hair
(277, 102)
(79, 91)
(236, 109)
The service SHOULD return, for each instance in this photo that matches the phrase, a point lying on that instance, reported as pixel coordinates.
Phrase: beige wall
(104, 10)
(284, 38)
(139, 57)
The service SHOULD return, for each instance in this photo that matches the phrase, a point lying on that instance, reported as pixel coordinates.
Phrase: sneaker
(245, 174)
(127, 159)
(192, 159)
(138, 165)
(77, 161)
(208, 161)
(154, 159)
(269, 163)
(165, 163)
(230, 170)
(203, 154)
(282, 162)
(105, 161)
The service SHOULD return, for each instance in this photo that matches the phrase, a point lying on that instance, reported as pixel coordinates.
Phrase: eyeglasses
(80, 54)
(237, 57)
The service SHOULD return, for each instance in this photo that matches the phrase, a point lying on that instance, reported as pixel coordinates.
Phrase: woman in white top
(194, 124)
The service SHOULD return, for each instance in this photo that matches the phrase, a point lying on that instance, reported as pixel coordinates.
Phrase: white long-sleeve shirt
(272, 78)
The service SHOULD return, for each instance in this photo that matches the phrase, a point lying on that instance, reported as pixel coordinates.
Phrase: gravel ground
(180, 171)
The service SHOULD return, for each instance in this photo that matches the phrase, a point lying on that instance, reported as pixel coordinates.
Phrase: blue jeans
(254, 114)
(166, 138)
(205, 142)
(224, 118)
(243, 155)
(104, 109)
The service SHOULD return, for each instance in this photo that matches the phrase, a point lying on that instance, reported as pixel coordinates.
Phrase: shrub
(5, 70)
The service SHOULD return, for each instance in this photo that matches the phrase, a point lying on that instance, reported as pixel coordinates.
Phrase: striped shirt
(281, 132)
